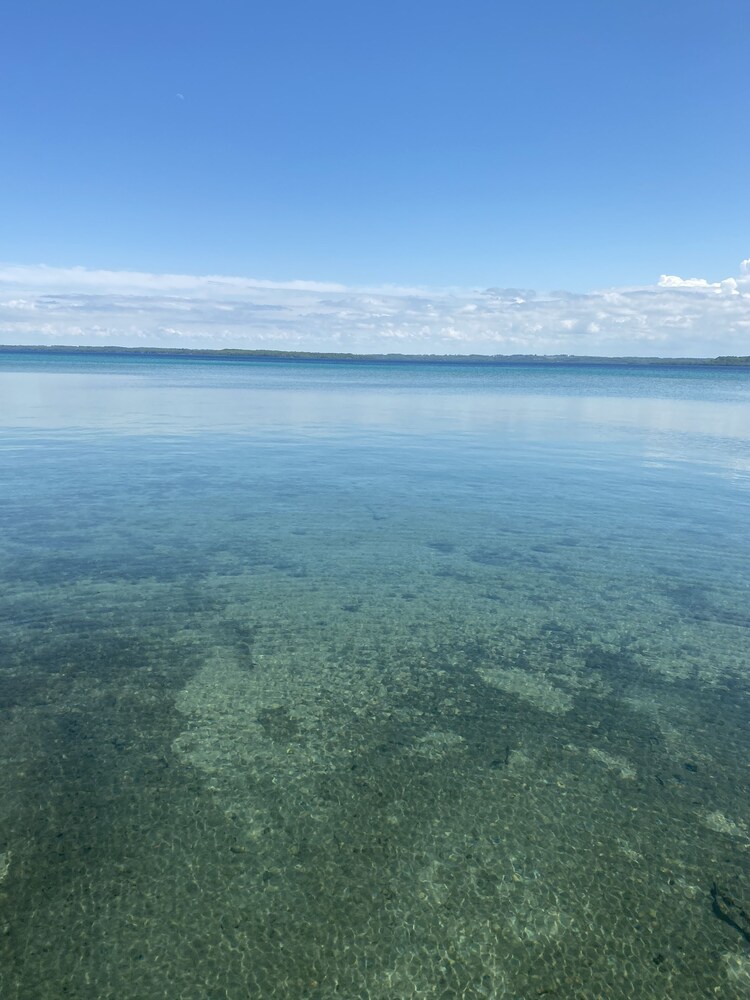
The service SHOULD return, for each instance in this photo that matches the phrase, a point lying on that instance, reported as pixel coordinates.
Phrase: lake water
(373, 681)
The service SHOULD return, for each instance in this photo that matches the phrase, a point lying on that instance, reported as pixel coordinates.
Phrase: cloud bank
(77, 306)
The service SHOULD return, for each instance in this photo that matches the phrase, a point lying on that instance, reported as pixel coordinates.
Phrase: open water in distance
(364, 681)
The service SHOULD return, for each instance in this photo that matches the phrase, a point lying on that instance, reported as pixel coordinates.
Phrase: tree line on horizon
(232, 352)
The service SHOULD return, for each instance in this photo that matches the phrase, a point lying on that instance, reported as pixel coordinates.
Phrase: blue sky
(575, 146)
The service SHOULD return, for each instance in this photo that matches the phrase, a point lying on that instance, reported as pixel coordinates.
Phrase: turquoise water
(381, 681)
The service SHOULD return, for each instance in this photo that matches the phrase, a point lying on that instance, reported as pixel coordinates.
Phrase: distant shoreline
(437, 359)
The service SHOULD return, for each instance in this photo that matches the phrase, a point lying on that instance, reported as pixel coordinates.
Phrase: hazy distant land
(450, 359)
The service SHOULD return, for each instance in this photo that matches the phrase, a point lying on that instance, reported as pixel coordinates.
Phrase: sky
(416, 176)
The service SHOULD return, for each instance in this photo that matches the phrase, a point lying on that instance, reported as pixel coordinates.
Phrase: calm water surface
(363, 681)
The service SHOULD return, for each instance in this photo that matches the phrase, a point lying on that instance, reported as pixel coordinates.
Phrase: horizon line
(259, 353)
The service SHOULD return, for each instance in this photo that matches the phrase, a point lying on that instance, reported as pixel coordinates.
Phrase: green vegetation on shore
(450, 359)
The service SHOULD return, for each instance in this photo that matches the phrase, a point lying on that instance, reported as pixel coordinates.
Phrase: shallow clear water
(333, 680)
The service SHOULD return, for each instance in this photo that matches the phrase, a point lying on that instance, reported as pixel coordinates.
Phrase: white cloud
(728, 286)
(81, 278)
(675, 316)
(672, 281)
